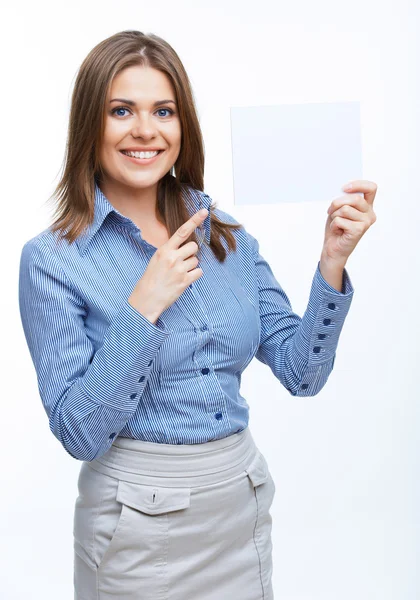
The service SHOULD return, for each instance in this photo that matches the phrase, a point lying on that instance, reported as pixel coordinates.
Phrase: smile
(135, 157)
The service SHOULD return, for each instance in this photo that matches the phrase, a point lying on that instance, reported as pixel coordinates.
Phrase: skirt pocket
(121, 533)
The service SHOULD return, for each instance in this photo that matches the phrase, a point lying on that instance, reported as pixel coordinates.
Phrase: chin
(142, 182)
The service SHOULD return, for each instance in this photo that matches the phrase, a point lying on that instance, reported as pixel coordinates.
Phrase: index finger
(182, 233)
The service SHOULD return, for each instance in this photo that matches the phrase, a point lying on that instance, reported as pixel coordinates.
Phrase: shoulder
(225, 216)
(35, 245)
(246, 241)
(212, 206)
(43, 250)
(45, 239)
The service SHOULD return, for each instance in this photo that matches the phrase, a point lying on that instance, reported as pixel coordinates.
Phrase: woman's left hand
(350, 216)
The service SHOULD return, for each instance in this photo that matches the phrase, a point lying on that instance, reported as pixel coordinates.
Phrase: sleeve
(87, 395)
(300, 351)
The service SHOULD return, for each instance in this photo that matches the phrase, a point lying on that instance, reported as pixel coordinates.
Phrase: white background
(345, 462)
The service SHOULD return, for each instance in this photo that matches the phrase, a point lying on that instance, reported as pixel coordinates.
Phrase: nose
(144, 126)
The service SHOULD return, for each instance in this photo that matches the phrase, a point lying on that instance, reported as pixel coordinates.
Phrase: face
(139, 120)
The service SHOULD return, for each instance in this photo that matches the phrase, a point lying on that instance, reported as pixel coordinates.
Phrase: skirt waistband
(190, 464)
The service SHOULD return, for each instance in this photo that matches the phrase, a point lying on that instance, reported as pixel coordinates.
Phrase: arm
(332, 274)
(87, 395)
(300, 351)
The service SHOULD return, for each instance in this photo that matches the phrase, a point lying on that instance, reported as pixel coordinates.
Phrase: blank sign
(295, 152)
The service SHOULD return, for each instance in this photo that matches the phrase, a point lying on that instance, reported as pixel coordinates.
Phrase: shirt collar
(102, 207)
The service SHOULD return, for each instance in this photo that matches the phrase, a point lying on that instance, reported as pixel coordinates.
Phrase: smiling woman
(139, 334)
(132, 94)
(132, 185)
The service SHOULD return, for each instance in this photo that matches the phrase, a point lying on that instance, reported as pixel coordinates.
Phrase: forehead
(139, 82)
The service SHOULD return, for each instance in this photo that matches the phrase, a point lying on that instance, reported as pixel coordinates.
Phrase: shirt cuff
(317, 338)
(120, 368)
(346, 289)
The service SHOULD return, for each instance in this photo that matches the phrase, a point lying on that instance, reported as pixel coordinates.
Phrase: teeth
(141, 154)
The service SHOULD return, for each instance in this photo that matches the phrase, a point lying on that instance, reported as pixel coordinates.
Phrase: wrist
(332, 263)
(150, 313)
(332, 271)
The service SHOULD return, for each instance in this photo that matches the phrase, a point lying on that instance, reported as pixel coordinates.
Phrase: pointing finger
(182, 233)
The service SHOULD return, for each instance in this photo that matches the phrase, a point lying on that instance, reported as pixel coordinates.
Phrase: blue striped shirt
(103, 369)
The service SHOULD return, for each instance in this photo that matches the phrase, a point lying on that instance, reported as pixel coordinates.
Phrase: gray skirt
(174, 522)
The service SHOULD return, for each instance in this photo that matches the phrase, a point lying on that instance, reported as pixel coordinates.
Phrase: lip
(142, 161)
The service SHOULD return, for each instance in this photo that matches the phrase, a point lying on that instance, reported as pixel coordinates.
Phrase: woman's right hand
(170, 271)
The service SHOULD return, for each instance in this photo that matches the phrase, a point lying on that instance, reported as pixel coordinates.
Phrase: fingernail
(348, 186)
(203, 212)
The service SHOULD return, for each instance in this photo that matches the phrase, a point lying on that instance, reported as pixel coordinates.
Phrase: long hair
(76, 188)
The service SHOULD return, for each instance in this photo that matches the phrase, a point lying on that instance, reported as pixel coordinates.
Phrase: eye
(114, 110)
(171, 112)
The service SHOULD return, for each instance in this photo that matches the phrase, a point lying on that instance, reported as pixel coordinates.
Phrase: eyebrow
(132, 103)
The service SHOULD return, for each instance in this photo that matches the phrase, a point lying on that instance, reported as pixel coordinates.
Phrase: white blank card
(295, 152)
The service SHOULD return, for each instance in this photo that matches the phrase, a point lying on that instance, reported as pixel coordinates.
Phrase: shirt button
(326, 321)
(304, 386)
(141, 378)
(317, 349)
(204, 328)
(111, 437)
(205, 371)
(218, 416)
(331, 305)
(322, 336)
(133, 396)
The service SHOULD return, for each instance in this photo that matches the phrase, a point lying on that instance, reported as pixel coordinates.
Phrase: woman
(141, 313)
